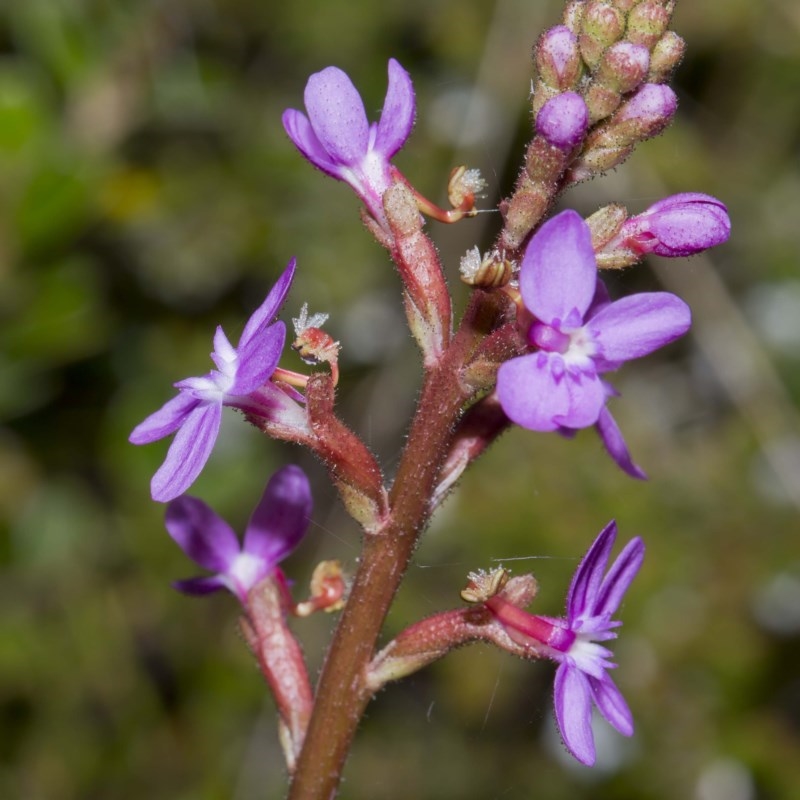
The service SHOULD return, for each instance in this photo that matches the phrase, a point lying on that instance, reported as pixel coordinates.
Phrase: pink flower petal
(573, 705)
(188, 453)
(639, 324)
(397, 117)
(204, 536)
(299, 130)
(612, 705)
(336, 113)
(529, 394)
(612, 439)
(588, 577)
(268, 310)
(559, 272)
(281, 518)
(165, 421)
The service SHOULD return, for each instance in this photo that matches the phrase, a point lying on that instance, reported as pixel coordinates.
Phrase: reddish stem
(343, 692)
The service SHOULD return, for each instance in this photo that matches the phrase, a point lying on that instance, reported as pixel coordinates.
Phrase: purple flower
(563, 120)
(680, 225)
(337, 138)
(241, 380)
(581, 677)
(577, 334)
(277, 525)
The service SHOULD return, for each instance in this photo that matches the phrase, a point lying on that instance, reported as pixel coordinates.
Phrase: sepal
(352, 467)
(427, 299)
(281, 661)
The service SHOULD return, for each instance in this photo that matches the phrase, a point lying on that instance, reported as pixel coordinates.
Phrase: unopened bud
(563, 120)
(624, 66)
(647, 23)
(680, 225)
(649, 111)
(601, 101)
(558, 59)
(573, 14)
(643, 116)
(666, 55)
(601, 26)
(624, 5)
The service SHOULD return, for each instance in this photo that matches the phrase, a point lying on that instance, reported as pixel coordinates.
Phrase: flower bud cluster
(599, 91)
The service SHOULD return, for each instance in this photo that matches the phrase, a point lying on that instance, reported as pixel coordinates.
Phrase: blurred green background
(148, 192)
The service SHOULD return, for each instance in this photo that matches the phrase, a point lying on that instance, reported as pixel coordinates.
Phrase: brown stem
(343, 693)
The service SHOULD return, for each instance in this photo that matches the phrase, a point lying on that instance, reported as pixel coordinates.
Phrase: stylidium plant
(532, 350)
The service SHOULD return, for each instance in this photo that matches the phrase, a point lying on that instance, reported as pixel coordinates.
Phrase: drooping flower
(276, 527)
(679, 225)
(573, 642)
(241, 380)
(337, 138)
(577, 335)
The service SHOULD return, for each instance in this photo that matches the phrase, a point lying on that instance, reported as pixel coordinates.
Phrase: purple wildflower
(680, 225)
(241, 381)
(276, 527)
(337, 138)
(578, 334)
(581, 677)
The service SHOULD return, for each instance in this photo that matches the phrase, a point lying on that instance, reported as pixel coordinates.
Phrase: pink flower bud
(602, 22)
(666, 54)
(647, 23)
(558, 58)
(680, 225)
(563, 120)
(624, 66)
(652, 107)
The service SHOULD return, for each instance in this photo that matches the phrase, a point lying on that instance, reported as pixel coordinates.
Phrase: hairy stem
(343, 692)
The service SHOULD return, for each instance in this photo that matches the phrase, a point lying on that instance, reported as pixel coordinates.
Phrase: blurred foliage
(148, 193)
